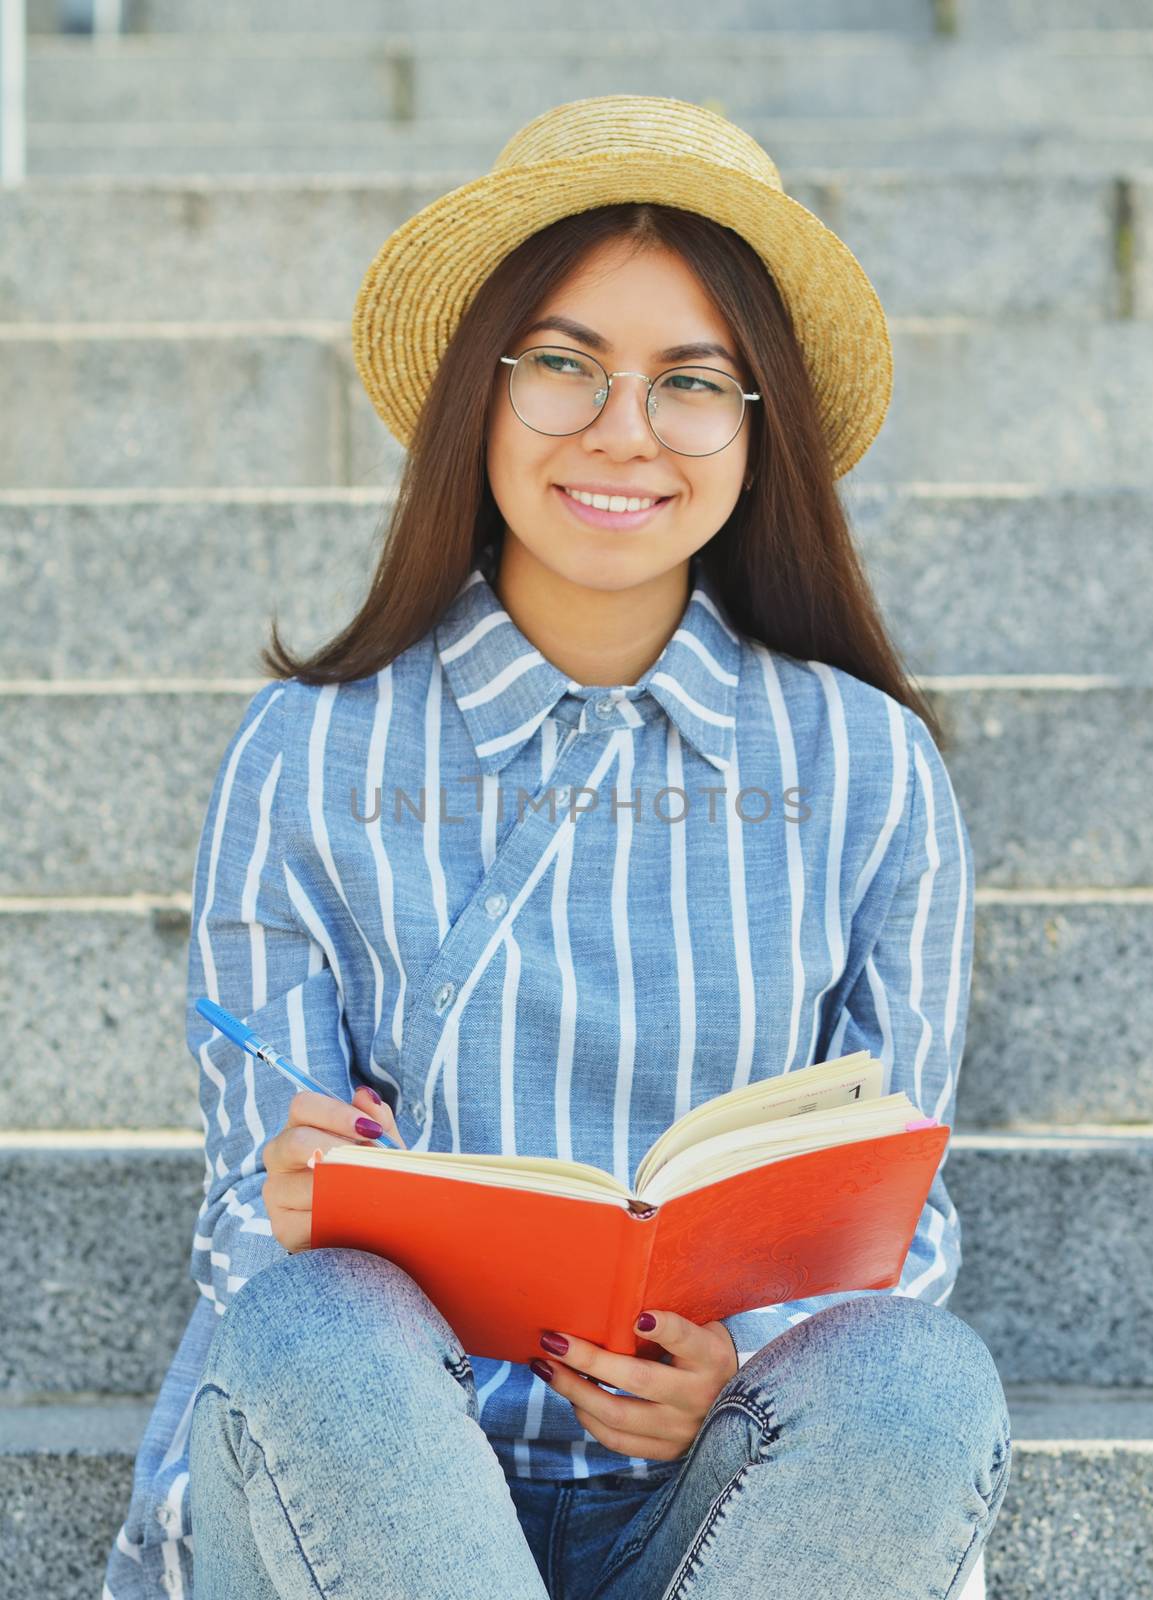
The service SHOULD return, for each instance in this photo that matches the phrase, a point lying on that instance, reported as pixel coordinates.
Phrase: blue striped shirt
(547, 918)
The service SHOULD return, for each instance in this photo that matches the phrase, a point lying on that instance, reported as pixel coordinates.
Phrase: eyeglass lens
(694, 410)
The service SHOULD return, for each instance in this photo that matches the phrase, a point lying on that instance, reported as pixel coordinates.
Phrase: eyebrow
(595, 341)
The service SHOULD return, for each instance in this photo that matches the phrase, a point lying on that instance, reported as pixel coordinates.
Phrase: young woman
(612, 797)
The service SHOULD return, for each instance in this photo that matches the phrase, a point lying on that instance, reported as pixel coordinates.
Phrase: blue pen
(240, 1033)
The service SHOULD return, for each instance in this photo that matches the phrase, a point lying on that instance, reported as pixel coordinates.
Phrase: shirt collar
(505, 688)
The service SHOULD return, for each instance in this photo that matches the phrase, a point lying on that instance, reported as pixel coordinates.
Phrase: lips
(616, 521)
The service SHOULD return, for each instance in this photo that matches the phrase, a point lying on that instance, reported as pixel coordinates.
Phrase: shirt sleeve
(909, 1009)
(256, 947)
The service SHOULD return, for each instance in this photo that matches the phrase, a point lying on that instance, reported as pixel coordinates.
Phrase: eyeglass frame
(682, 366)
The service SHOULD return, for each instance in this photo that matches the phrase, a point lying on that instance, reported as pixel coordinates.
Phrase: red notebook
(804, 1184)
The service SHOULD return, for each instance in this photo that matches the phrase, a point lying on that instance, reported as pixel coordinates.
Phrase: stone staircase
(185, 446)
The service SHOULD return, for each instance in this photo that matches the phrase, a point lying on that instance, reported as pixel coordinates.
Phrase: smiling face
(640, 305)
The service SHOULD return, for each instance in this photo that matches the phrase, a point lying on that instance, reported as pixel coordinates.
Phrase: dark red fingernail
(368, 1129)
(554, 1343)
(376, 1100)
(646, 1322)
(541, 1368)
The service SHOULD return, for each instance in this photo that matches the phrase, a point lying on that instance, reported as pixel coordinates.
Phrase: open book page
(817, 1087)
(744, 1148)
(546, 1174)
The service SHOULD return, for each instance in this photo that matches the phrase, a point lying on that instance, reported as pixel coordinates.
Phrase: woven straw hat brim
(425, 274)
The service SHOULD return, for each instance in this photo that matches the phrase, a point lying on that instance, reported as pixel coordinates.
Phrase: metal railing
(97, 17)
(13, 143)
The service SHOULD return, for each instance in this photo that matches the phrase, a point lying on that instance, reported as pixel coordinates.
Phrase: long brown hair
(784, 562)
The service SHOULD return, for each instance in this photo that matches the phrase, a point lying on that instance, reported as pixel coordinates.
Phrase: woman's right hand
(315, 1121)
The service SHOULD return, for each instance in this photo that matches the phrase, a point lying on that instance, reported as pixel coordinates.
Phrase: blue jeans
(335, 1450)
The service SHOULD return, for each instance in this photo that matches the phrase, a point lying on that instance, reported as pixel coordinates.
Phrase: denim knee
(897, 1360)
(291, 1316)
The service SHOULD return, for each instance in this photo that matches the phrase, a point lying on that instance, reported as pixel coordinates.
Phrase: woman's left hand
(674, 1396)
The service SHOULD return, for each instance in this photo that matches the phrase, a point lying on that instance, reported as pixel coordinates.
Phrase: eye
(678, 378)
(552, 362)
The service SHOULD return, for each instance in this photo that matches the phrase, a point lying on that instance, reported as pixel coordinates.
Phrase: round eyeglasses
(694, 411)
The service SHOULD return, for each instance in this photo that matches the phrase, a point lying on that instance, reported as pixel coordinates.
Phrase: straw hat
(597, 152)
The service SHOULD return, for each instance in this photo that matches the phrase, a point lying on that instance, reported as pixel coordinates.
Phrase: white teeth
(605, 502)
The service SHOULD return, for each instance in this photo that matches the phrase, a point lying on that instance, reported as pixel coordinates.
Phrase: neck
(599, 638)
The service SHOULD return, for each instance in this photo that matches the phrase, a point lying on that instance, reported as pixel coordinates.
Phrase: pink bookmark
(923, 1122)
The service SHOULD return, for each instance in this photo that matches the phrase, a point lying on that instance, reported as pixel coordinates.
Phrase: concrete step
(210, 250)
(241, 404)
(1074, 1520)
(119, 405)
(1054, 1235)
(93, 1012)
(154, 583)
(1080, 1463)
(1024, 18)
(938, 554)
(918, 18)
(1051, 776)
(390, 16)
(1093, 146)
(416, 75)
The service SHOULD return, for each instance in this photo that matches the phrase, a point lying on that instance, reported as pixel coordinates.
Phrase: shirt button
(605, 708)
(496, 904)
(418, 1112)
(443, 995)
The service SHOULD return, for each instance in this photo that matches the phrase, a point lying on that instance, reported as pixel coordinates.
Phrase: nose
(628, 404)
